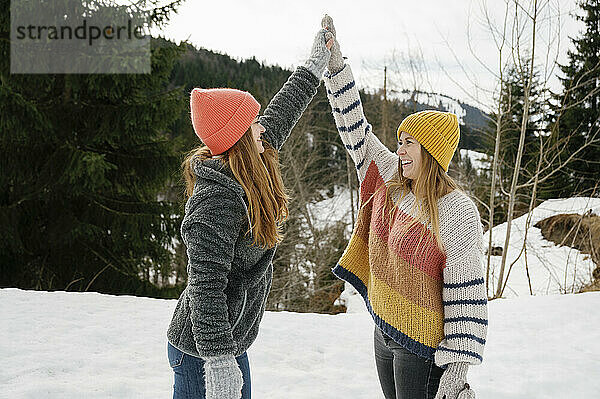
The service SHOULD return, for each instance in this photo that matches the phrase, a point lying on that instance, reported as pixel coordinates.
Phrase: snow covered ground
(336, 208)
(90, 345)
(478, 159)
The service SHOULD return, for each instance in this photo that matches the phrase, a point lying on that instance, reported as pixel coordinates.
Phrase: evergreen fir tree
(580, 100)
(513, 93)
(84, 159)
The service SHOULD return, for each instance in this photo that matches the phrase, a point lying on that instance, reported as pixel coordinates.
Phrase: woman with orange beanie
(231, 228)
(416, 252)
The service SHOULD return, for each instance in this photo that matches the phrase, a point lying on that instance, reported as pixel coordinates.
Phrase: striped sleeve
(356, 133)
(463, 293)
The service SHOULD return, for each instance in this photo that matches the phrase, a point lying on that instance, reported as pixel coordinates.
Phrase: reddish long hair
(260, 177)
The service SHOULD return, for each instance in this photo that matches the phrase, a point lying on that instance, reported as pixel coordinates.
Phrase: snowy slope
(553, 269)
(89, 345)
(478, 159)
(334, 209)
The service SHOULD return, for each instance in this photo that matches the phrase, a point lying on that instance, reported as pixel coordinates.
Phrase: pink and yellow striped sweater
(435, 304)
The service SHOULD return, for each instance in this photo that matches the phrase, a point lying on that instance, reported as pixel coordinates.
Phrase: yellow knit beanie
(437, 131)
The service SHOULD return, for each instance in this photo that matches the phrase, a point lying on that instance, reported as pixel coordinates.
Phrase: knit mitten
(336, 62)
(466, 393)
(319, 55)
(453, 383)
(223, 377)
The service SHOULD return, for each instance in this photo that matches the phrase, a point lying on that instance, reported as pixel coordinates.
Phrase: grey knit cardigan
(229, 279)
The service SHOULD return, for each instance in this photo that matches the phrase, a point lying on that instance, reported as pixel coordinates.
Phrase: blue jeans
(402, 374)
(189, 374)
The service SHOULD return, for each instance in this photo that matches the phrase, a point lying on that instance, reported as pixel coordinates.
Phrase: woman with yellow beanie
(416, 252)
(231, 228)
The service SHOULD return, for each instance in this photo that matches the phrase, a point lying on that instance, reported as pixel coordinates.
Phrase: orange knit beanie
(221, 116)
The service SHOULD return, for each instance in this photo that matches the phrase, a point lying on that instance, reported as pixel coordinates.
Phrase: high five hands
(320, 53)
(325, 51)
(336, 61)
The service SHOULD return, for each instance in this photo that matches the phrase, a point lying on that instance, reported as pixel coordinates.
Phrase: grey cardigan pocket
(241, 311)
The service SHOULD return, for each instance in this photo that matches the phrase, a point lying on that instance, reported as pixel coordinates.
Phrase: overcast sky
(375, 33)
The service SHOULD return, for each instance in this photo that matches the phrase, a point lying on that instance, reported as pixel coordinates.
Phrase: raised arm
(357, 135)
(354, 129)
(287, 106)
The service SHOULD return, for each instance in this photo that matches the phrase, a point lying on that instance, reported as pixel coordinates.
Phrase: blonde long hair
(260, 177)
(431, 185)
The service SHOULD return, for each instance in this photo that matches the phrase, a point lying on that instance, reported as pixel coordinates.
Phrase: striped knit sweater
(434, 304)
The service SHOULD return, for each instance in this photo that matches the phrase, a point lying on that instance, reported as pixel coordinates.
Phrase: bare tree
(527, 74)
(302, 278)
(548, 162)
(519, 33)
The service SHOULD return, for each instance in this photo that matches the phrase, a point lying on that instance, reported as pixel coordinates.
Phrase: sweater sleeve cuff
(308, 75)
(329, 74)
(337, 81)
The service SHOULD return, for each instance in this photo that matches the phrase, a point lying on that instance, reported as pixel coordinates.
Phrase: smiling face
(257, 131)
(409, 151)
